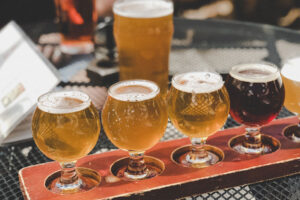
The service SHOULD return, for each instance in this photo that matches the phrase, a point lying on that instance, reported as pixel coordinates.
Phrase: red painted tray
(176, 181)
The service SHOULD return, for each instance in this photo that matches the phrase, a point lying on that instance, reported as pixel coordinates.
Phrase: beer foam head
(291, 70)
(143, 8)
(63, 102)
(198, 82)
(134, 90)
(255, 72)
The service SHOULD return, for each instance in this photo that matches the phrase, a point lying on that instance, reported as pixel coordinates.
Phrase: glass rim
(155, 88)
(220, 82)
(122, 13)
(274, 72)
(288, 69)
(47, 106)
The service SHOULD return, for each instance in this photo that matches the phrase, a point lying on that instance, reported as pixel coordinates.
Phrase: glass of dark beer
(77, 21)
(256, 96)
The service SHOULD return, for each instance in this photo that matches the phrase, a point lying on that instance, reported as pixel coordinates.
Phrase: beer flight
(66, 125)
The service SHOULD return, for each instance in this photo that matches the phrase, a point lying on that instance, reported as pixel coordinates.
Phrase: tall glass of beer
(143, 31)
(77, 21)
(290, 75)
(134, 119)
(65, 128)
(198, 106)
(256, 94)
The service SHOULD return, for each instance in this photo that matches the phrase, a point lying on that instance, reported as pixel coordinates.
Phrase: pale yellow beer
(65, 125)
(143, 32)
(134, 116)
(291, 79)
(198, 103)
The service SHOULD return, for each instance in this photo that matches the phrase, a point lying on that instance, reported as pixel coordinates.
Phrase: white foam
(55, 102)
(261, 73)
(143, 8)
(133, 95)
(198, 82)
(291, 70)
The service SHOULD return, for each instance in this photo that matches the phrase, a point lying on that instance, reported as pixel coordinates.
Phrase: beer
(134, 116)
(143, 31)
(65, 125)
(256, 93)
(198, 103)
(290, 76)
(77, 20)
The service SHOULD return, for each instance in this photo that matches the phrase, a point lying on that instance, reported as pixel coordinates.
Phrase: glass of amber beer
(134, 118)
(256, 94)
(143, 31)
(65, 128)
(198, 106)
(290, 75)
(77, 21)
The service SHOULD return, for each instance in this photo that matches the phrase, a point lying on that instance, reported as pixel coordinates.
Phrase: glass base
(292, 132)
(87, 180)
(77, 48)
(269, 145)
(154, 167)
(181, 157)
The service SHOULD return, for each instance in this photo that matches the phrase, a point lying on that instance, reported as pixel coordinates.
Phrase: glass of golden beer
(198, 106)
(65, 128)
(77, 21)
(143, 31)
(134, 118)
(290, 75)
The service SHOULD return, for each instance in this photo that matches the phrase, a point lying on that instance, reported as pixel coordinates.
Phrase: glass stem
(198, 152)
(136, 168)
(68, 178)
(253, 137)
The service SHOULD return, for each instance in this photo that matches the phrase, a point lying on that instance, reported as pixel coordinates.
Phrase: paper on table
(24, 75)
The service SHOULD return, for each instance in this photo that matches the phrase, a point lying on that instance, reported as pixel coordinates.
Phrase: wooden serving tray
(176, 181)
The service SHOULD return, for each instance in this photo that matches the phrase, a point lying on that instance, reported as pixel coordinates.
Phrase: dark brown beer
(256, 93)
(77, 19)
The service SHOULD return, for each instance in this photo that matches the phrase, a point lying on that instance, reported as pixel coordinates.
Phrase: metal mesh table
(197, 45)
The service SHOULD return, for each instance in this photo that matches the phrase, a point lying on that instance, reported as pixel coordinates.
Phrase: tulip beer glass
(198, 106)
(65, 128)
(143, 32)
(290, 75)
(256, 94)
(134, 119)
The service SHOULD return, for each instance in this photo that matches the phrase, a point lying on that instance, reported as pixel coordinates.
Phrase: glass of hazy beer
(290, 75)
(134, 118)
(65, 128)
(198, 106)
(143, 31)
(77, 21)
(256, 94)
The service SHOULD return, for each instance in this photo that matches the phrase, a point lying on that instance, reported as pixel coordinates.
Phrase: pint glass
(77, 20)
(143, 32)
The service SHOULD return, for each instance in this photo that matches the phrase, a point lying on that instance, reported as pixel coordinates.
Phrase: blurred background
(285, 13)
